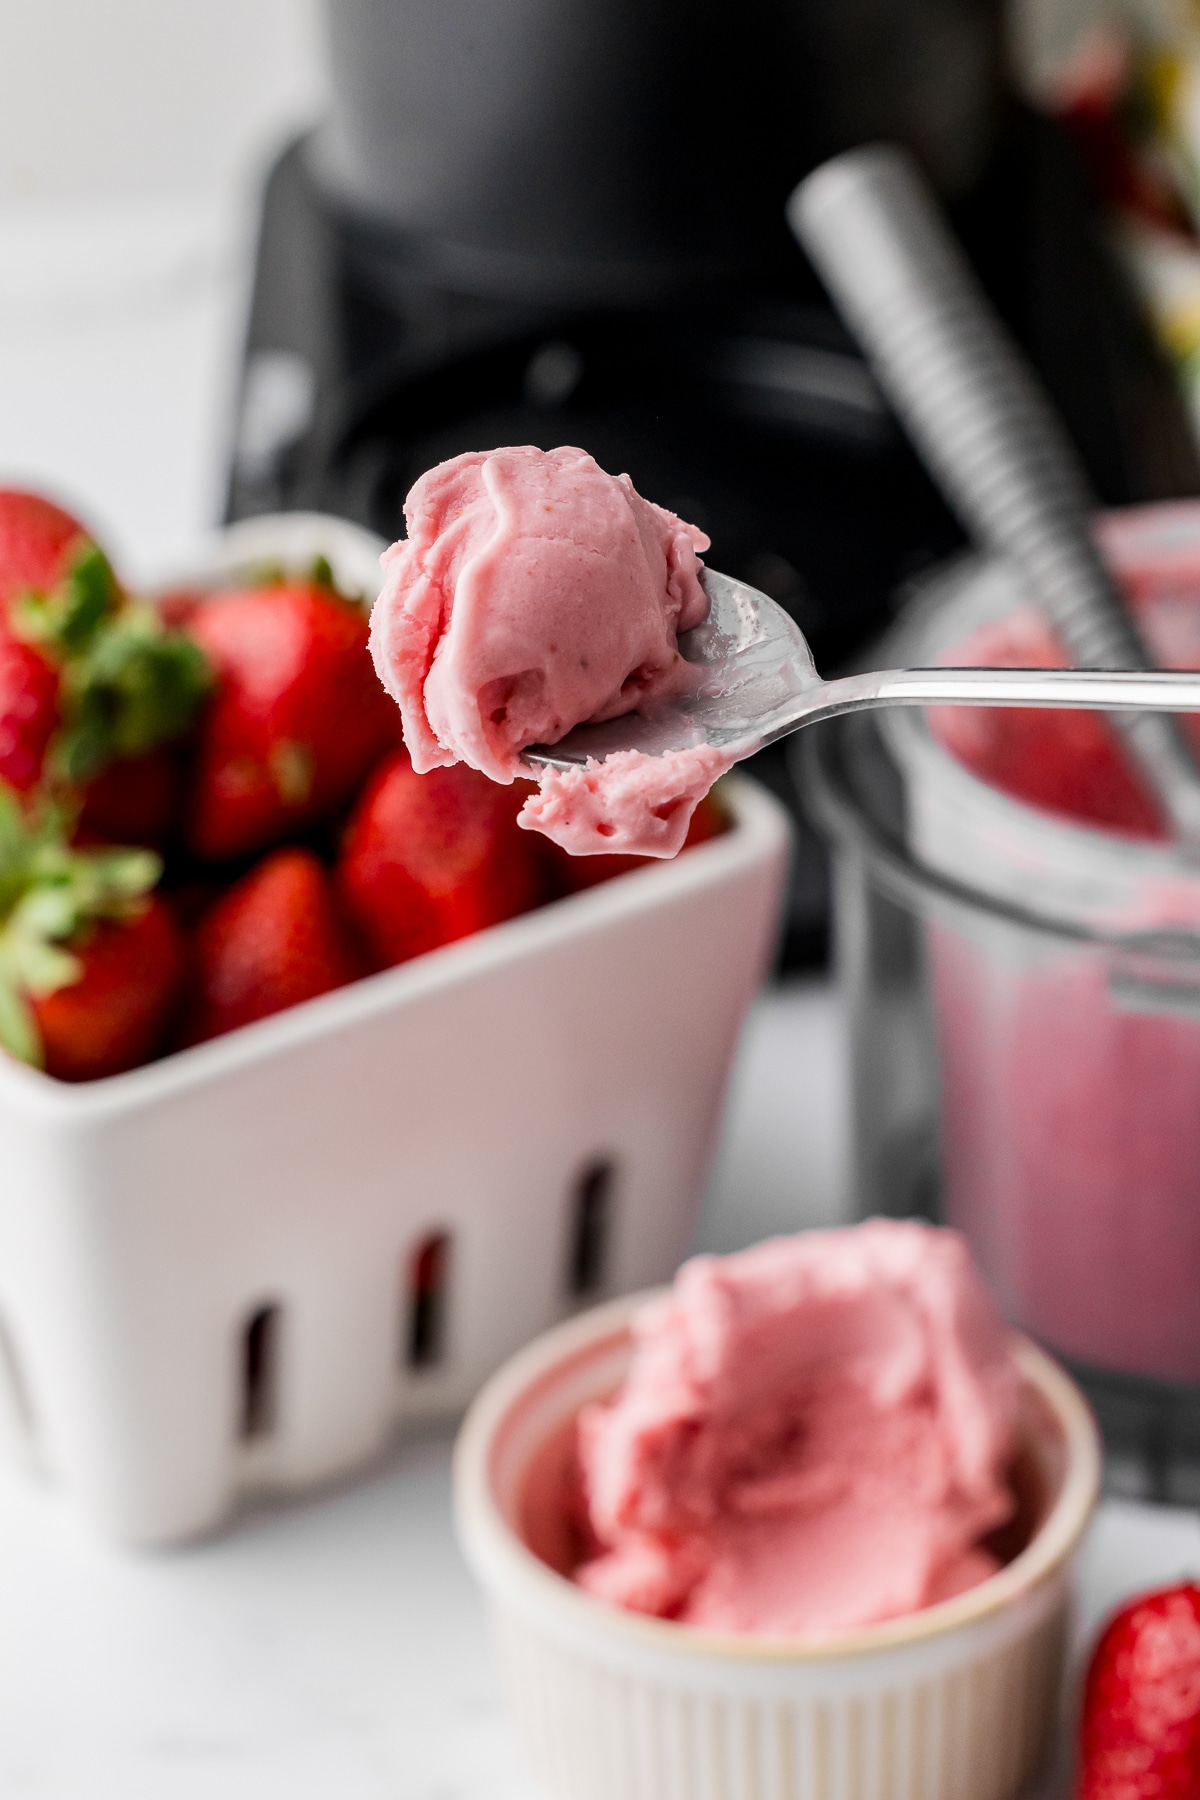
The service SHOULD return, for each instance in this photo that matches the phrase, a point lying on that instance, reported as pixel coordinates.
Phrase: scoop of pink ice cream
(813, 1435)
(535, 592)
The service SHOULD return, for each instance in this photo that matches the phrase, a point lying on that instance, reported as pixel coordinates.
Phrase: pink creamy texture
(535, 592)
(1069, 1123)
(1071, 1150)
(813, 1435)
(629, 801)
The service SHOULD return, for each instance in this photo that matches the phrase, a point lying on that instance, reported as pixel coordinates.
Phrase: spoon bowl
(755, 681)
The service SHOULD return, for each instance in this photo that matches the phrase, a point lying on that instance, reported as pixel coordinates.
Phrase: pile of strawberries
(207, 813)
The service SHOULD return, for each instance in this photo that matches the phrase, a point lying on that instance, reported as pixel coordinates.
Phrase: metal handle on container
(1156, 972)
(979, 418)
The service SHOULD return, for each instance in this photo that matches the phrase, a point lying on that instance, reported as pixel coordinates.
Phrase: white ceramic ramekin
(245, 1265)
(954, 1703)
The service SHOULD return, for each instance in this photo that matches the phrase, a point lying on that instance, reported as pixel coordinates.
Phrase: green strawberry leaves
(137, 685)
(319, 572)
(67, 619)
(129, 682)
(50, 894)
(19, 1033)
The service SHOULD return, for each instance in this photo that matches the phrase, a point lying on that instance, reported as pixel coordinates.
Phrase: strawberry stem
(128, 681)
(67, 619)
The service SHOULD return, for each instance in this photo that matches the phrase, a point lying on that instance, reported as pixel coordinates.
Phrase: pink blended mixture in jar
(1071, 1118)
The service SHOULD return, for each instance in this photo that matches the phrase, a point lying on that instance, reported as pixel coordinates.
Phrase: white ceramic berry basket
(243, 1266)
(954, 1703)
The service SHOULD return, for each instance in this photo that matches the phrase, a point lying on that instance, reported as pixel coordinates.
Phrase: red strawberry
(29, 711)
(1140, 1730)
(178, 606)
(133, 800)
(89, 962)
(113, 1017)
(275, 939)
(38, 541)
(430, 858)
(298, 720)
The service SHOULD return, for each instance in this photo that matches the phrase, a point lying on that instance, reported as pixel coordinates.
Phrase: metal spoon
(756, 681)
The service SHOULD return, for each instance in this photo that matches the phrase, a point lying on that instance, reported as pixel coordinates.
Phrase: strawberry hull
(245, 1266)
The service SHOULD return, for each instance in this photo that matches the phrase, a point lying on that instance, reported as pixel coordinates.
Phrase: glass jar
(1024, 1001)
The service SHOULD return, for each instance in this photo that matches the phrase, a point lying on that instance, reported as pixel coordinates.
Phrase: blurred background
(134, 144)
(285, 254)
(265, 255)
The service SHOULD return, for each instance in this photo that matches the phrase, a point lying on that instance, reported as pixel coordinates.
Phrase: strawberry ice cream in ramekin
(954, 1701)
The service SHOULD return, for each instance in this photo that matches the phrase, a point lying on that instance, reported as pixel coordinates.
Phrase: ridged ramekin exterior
(974, 1731)
(956, 1703)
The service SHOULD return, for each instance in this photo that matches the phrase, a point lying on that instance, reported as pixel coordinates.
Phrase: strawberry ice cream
(534, 593)
(814, 1435)
(627, 802)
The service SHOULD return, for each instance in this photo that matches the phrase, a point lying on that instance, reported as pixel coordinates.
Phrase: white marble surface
(335, 1648)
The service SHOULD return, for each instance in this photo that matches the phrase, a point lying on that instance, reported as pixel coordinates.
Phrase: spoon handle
(1150, 691)
(979, 418)
(1104, 690)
